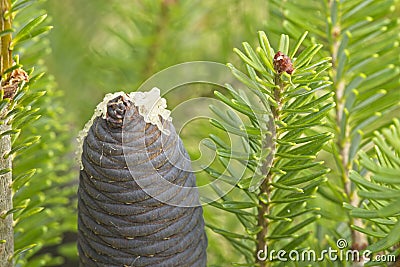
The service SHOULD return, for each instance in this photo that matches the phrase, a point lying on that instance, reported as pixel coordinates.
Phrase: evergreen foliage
(378, 186)
(341, 117)
(41, 168)
(362, 39)
(282, 144)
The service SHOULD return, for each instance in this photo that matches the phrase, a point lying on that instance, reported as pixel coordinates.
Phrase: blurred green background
(102, 46)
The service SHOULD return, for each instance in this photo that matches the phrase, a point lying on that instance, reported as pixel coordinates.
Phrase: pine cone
(137, 200)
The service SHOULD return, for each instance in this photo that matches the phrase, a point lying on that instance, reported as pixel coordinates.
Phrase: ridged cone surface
(137, 201)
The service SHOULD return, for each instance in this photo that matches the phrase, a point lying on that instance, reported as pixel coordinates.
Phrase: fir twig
(6, 218)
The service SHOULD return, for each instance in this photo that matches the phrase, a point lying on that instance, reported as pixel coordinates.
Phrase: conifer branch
(6, 219)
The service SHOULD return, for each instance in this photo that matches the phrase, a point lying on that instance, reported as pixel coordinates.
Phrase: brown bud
(282, 63)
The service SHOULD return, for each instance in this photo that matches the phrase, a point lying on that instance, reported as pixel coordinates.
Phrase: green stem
(264, 208)
(5, 24)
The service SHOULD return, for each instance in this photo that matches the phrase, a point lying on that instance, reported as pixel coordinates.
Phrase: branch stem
(265, 189)
(5, 24)
(263, 222)
(6, 221)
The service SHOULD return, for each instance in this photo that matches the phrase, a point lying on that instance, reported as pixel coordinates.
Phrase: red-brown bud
(282, 63)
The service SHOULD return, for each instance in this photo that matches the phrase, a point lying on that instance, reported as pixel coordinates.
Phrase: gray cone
(137, 200)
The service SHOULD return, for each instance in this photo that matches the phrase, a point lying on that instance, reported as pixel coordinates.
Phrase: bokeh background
(101, 46)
